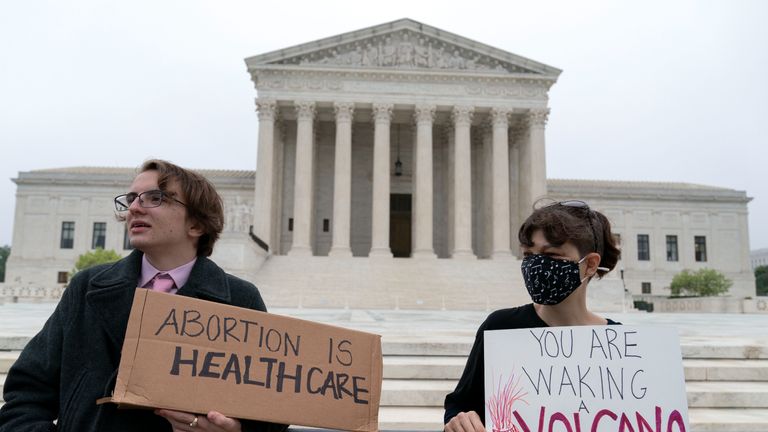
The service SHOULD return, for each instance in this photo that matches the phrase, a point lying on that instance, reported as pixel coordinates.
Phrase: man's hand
(465, 422)
(213, 422)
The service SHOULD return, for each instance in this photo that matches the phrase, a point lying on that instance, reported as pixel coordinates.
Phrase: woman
(564, 246)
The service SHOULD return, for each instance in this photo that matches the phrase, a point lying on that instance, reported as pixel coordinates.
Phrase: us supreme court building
(395, 165)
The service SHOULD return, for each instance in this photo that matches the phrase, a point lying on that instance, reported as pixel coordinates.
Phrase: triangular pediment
(405, 45)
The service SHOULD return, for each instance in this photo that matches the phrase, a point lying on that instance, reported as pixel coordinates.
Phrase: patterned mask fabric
(550, 281)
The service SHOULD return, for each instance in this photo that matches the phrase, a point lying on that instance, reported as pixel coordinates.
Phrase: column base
(300, 251)
(463, 254)
(504, 255)
(380, 253)
(340, 252)
(424, 254)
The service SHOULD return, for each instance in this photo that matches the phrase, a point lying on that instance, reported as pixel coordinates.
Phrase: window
(671, 248)
(290, 224)
(67, 235)
(645, 287)
(326, 225)
(62, 277)
(700, 248)
(99, 235)
(126, 240)
(643, 248)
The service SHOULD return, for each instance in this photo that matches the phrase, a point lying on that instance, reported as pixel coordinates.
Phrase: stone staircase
(727, 385)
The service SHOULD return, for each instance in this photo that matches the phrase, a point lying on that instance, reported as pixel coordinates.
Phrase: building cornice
(645, 191)
(121, 177)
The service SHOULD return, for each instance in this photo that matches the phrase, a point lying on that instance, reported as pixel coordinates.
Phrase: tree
(701, 283)
(761, 280)
(4, 252)
(94, 257)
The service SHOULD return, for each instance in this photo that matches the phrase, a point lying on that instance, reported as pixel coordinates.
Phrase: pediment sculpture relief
(405, 50)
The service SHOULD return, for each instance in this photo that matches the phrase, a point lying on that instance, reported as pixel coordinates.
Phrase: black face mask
(550, 281)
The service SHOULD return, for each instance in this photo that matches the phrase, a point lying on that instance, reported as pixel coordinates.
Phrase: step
(727, 394)
(701, 394)
(724, 349)
(416, 367)
(422, 416)
(451, 368)
(7, 358)
(725, 370)
(728, 419)
(415, 393)
(14, 342)
(701, 419)
(461, 345)
(419, 346)
(410, 418)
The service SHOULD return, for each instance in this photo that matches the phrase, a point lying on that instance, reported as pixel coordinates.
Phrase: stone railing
(707, 304)
(14, 293)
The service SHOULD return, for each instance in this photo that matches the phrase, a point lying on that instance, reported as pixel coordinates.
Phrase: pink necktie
(162, 282)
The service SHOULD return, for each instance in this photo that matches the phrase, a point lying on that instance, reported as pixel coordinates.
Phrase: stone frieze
(405, 50)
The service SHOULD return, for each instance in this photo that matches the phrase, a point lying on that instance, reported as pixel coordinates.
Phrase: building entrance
(400, 225)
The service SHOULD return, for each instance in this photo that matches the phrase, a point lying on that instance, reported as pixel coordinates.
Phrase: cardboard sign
(196, 356)
(586, 378)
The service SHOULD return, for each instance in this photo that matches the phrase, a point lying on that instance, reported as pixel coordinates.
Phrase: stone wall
(726, 304)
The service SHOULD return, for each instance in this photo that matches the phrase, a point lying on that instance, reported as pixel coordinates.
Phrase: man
(174, 217)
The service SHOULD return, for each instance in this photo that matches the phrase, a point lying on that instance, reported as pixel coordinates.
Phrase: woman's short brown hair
(204, 205)
(576, 223)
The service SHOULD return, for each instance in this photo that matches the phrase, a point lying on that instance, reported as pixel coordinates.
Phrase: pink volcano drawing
(501, 402)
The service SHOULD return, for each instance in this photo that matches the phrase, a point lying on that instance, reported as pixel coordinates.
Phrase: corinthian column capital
(538, 117)
(382, 112)
(305, 109)
(462, 115)
(500, 116)
(344, 110)
(424, 113)
(267, 109)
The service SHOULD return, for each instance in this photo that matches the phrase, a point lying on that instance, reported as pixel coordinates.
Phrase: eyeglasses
(148, 199)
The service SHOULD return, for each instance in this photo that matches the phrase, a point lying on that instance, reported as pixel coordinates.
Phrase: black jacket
(74, 359)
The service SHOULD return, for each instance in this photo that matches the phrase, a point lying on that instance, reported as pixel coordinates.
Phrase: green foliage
(761, 280)
(94, 257)
(4, 252)
(701, 283)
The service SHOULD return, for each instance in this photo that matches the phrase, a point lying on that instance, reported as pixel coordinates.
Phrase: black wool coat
(73, 361)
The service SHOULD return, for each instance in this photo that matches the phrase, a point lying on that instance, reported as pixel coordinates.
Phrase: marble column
(382, 117)
(533, 174)
(516, 131)
(486, 173)
(263, 224)
(422, 186)
(462, 183)
(538, 122)
(450, 172)
(302, 187)
(342, 180)
(500, 183)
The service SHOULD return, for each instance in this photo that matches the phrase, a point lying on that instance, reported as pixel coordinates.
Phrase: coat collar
(110, 291)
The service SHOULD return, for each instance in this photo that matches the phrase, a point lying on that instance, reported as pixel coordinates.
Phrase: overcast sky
(654, 90)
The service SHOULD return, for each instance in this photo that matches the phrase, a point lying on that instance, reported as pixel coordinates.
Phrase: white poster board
(585, 379)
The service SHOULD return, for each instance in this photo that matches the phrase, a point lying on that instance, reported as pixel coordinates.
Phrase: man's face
(162, 230)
